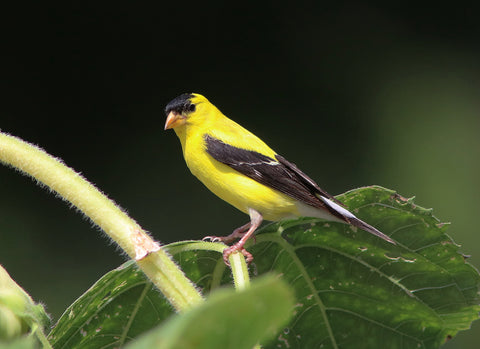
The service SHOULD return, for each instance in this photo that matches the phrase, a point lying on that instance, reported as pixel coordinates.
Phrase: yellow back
(230, 185)
(207, 119)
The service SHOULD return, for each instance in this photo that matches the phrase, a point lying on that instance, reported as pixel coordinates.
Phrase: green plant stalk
(240, 275)
(42, 339)
(239, 271)
(241, 278)
(72, 187)
(237, 261)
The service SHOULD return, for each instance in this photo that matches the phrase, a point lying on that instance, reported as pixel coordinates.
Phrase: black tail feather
(348, 217)
(367, 227)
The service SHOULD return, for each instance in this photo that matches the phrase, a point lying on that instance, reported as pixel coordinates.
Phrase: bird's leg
(237, 233)
(255, 221)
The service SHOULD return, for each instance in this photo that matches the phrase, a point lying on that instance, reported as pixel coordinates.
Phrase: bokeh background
(355, 93)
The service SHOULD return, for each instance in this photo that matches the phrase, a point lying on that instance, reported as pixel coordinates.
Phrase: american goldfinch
(241, 169)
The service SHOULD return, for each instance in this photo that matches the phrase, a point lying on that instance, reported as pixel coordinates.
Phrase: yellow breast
(241, 191)
(232, 186)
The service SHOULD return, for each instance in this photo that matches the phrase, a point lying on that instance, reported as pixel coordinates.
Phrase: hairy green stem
(240, 275)
(239, 271)
(237, 261)
(73, 188)
(43, 339)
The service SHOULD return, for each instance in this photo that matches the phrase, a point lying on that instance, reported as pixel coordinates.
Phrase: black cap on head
(180, 104)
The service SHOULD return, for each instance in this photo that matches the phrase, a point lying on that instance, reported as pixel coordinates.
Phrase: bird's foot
(237, 234)
(234, 248)
(243, 233)
(214, 238)
(225, 239)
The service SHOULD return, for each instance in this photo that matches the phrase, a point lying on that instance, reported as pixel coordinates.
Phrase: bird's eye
(191, 107)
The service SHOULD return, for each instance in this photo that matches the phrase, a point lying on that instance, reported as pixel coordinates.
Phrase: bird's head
(189, 108)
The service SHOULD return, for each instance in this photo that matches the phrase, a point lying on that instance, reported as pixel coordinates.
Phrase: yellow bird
(241, 169)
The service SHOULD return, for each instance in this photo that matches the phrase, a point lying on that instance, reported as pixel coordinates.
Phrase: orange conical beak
(174, 119)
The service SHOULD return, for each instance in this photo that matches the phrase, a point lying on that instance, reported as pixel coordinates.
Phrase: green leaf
(118, 307)
(228, 319)
(353, 290)
(25, 342)
(123, 303)
(19, 315)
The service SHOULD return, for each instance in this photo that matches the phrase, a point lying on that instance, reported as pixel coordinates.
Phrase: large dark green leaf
(123, 303)
(117, 308)
(353, 289)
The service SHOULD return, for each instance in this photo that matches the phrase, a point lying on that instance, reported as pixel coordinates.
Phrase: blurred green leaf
(353, 289)
(19, 315)
(25, 342)
(228, 319)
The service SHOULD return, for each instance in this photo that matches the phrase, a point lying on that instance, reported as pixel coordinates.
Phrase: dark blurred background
(355, 93)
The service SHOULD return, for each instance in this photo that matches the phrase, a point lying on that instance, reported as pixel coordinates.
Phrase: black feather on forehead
(180, 104)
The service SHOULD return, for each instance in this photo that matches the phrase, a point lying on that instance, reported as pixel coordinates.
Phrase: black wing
(277, 173)
(285, 177)
(305, 179)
